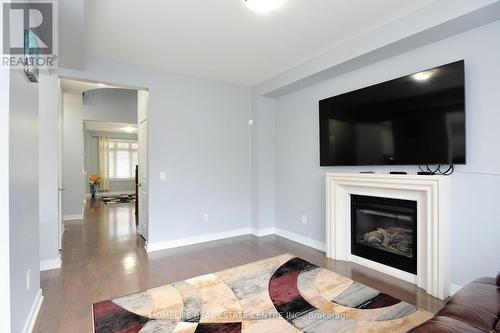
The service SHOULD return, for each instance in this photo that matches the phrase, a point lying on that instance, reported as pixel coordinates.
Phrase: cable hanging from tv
(437, 171)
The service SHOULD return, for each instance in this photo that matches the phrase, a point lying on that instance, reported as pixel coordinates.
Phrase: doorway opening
(103, 153)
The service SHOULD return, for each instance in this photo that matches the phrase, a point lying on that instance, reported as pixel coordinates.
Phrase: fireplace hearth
(385, 230)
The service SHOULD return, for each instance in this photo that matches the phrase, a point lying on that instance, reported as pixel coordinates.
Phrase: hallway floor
(103, 258)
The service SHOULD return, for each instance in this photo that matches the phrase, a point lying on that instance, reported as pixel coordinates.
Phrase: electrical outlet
(163, 175)
(250, 122)
(205, 218)
(303, 219)
(28, 279)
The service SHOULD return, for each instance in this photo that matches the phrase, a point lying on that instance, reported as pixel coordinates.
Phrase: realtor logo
(29, 35)
(27, 24)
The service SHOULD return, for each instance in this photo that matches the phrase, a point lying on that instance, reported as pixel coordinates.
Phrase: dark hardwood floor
(103, 258)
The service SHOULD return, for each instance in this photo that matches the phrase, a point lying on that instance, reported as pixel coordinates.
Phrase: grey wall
(72, 198)
(75, 113)
(4, 204)
(48, 117)
(199, 135)
(23, 197)
(117, 98)
(263, 162)
(92, 159)
(71, 33)
(300, 181)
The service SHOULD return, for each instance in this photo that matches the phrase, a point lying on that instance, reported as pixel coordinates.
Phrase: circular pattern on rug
(293, 292)
(334, 293)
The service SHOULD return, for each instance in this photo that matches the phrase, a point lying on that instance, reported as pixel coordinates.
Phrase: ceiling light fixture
(129, 129)
(263, 6)
(423, 76)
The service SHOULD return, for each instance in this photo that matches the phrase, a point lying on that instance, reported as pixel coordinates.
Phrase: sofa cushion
(479, 295)
(480, 319)
(474, 308)
(445, 325)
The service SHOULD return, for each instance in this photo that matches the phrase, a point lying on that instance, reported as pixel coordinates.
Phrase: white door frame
(143, 141)
(60, 185)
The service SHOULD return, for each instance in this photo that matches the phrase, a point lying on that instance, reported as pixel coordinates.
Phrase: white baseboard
(73, 217)
(105, 194)
(33, 315)
(320, 246)
(454, 288)
(46, 265)
(159, 246)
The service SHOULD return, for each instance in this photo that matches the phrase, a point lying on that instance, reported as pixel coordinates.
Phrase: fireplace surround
(432, 197)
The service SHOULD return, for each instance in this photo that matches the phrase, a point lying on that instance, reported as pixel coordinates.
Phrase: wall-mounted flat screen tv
(418, 119)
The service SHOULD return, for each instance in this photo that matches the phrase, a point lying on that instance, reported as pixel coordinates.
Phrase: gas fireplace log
(395, 238)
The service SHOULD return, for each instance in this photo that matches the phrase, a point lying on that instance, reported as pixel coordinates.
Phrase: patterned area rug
(125, 198)
(280, 294)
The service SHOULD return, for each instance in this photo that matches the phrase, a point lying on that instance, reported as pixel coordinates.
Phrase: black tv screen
(413, 120)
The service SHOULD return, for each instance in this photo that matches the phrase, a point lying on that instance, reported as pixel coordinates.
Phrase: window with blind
(123, 157)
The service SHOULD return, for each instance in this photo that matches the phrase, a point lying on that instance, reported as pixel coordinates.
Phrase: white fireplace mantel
(433, 197)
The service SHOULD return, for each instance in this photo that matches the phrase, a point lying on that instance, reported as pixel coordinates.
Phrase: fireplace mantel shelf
(433, 197)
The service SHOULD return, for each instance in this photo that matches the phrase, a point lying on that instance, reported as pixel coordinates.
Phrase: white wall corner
(263, 232)
(33, 314)
(46, 265)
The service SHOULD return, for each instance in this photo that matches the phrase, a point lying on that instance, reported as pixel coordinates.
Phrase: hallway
(103, 258)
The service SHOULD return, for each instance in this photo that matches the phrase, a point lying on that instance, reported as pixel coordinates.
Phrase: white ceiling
(103, 126)
(223, 39)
